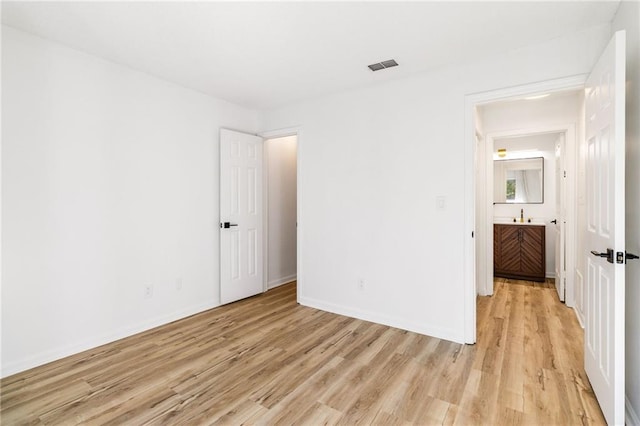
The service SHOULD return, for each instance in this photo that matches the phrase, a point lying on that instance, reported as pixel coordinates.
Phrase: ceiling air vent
(382, 65)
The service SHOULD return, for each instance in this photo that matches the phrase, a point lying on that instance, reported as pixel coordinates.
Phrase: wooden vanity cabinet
(519, 251)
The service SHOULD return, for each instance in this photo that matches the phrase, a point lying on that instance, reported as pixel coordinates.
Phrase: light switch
(441, 202)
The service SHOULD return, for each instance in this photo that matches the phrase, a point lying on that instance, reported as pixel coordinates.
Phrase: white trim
(471, 101)
(265, 213)
(281, 133)
(299, 217)
(571, 146)
(579, 313)
(632, 418)
(560, 84)
(73, 349)
(438, 332)
(281, 281)
(469, 272)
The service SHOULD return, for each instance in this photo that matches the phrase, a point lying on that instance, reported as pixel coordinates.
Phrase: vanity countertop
(509, 221)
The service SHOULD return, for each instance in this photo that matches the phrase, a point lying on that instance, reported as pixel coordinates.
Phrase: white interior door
(241, 216)
(560, 219)
(605, 227)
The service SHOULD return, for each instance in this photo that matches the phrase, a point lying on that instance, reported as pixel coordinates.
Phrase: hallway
(530, 345)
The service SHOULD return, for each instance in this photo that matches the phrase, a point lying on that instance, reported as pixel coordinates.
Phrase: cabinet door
(519, 252)
(510, 249)
(532, 261)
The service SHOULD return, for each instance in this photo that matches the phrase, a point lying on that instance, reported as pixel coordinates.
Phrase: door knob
(608, 254)
(556, 221)
(227, 225)
(629, 256)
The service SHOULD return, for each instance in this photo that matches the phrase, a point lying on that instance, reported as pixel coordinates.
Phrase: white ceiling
(267, 54)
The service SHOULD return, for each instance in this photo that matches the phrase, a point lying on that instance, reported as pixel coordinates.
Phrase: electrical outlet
(178, 284)
(148, 291)
(360, 284)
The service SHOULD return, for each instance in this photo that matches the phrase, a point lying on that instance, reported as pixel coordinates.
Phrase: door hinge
(471, 234)
(565, 173)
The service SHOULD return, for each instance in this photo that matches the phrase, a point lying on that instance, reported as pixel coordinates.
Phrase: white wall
(89, 193)
(372, 164)
(546, 211)
(628, 17)
(281, 181)
(110, 183)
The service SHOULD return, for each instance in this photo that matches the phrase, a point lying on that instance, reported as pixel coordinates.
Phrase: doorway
(600, 194)
(543, 201)
(280, 165)
(525, 189)
(258, 212)
(530, 126)
(475, 164)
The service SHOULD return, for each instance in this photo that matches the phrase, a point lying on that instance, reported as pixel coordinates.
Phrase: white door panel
(241, 210)
(605, 185)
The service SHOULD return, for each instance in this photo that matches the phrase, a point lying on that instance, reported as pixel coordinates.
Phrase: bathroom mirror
(518, 181)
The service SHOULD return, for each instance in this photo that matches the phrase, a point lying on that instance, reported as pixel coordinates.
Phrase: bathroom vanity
(519, 251)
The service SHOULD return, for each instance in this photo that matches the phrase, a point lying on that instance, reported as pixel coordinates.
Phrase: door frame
(486, 197)
(275, 134)
(473, 100)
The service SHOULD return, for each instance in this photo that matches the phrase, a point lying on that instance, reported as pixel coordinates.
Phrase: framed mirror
(518, 181)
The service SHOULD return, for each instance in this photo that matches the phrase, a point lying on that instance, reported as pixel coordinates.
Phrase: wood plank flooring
(267, 360)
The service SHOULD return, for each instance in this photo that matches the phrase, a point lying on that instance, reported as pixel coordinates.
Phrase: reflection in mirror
(518, 181)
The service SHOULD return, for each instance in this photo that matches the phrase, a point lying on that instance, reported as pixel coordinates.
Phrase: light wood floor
(268, 360)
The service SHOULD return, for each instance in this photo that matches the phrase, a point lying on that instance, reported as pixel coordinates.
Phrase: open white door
(605, 228)
(560, 218)
(241, 214)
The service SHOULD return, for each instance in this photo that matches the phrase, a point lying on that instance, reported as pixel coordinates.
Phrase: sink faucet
(521, 215)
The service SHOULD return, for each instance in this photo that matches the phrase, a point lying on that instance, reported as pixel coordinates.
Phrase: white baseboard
(575, 310)
(62, 352)
(280, 281)
(440, 333)
(632, 418)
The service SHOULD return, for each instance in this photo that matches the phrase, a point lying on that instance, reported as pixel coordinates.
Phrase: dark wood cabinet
(519, 252)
